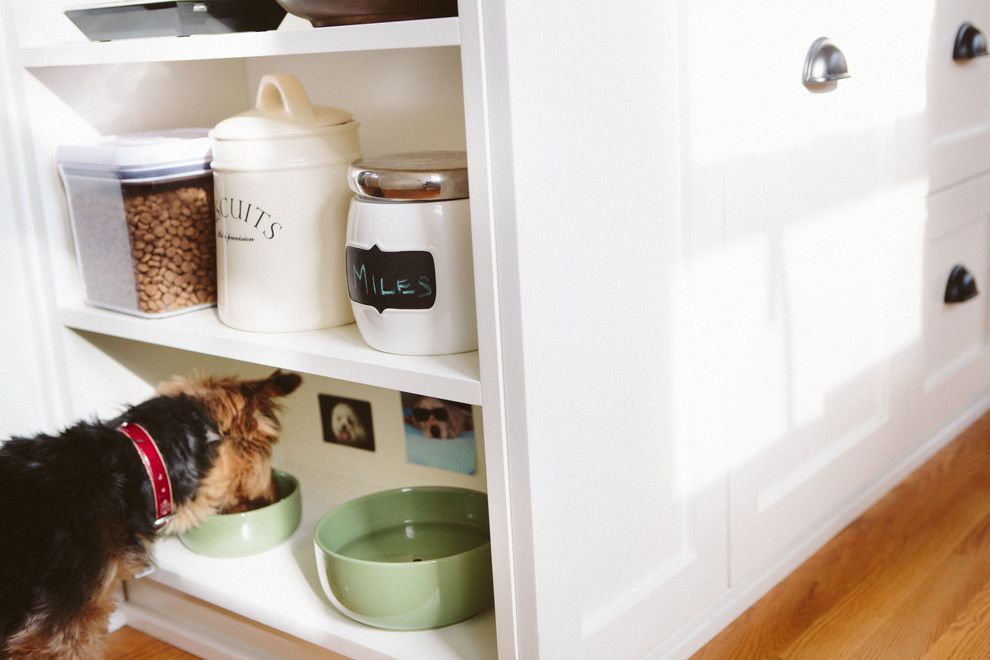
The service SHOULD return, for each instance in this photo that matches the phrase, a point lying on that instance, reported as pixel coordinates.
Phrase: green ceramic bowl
(241, 534)
(407, 559)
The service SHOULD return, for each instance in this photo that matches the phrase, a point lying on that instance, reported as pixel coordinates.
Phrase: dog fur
(458, 419)
(77, 514)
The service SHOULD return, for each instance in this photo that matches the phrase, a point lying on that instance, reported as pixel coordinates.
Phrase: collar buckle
(161, 522)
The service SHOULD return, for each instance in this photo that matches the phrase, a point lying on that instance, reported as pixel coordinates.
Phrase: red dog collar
(154, 465)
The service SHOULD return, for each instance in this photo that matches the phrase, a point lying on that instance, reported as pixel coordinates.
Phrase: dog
(346, 425)
(439, 419)
(79, 510)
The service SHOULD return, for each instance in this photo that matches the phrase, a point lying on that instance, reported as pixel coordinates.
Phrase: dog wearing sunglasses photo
(440, 420)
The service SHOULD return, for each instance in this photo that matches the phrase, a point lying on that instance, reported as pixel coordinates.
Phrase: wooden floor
(908, 579)
(129, 644)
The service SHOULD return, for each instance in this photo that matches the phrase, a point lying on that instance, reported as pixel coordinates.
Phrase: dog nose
(435, 431)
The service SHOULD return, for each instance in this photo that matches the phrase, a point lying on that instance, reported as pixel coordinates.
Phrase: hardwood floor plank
(969, 635)
(852, 589)
(130, 644)
(935, 603)
(898, 566)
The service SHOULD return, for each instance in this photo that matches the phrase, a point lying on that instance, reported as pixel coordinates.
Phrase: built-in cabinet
(403, 83)
(846, 210)
(710, 299)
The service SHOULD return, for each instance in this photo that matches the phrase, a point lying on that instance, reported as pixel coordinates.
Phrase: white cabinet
(23, 323)
(814, 404)
(608, 371)
(845, 366)
(577, 248)
(708, 310)
(403, 83)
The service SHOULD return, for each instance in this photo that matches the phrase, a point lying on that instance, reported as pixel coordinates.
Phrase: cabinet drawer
(794, 152)
(954, 332)
(924, 114)
(958, 96)
(955, 360)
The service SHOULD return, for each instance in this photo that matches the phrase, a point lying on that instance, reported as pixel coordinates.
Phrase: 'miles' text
(391, 280)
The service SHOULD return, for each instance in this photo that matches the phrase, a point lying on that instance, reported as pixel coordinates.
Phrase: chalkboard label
(391, 280)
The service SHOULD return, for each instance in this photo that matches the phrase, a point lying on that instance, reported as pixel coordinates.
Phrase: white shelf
(335, 353)
(338, 39)
(280, 588)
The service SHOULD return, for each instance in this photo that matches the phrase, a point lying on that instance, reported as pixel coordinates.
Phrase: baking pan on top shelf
(176, 19)
(323, 13)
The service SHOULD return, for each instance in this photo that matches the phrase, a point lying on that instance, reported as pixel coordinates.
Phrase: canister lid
(282, 109)
(413, 176)
(138, 151)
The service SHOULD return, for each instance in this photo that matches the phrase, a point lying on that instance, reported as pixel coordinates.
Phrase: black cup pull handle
(961, 286)
(970, 43)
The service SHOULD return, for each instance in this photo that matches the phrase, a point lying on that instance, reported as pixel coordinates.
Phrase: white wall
(29, 400)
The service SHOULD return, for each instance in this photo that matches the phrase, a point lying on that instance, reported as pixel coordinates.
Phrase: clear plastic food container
(141, 209)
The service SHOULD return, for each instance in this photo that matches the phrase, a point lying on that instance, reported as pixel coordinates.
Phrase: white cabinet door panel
(812, 389)
(621, 437)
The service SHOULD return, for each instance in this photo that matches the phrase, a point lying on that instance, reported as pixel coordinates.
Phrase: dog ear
(278, 384)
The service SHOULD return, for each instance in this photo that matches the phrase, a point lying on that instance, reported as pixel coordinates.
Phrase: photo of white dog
(347, 422)
(346, 426)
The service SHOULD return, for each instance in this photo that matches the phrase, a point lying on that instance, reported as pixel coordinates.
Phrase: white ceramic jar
(410, 274)
(281, 199)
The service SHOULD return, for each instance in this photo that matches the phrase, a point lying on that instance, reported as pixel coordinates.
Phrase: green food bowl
(250, 532)
(407, 559)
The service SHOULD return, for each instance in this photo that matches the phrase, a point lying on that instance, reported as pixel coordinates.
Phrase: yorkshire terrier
(80, 510)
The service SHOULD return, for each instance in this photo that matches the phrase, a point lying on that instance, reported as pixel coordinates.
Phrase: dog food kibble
(141, 210)
(173, 247)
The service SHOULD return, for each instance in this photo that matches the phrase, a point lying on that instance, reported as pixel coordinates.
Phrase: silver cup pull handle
(824, 66)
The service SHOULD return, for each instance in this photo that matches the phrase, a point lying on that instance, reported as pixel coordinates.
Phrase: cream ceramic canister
(281, 199)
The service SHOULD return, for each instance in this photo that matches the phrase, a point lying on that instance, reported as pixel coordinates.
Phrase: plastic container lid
(140, 155)
(415, 176)
(282, 109)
